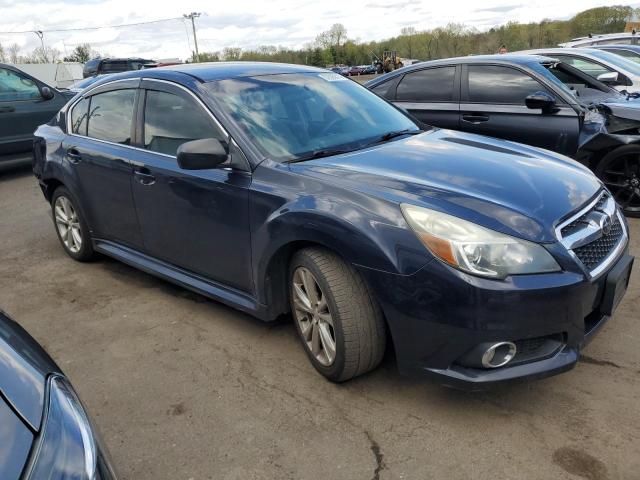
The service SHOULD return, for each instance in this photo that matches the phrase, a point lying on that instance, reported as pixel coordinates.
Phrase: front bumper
(439, 314)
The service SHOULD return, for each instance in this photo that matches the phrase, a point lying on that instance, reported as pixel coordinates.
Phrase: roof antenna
(590, 36)
(633, 31)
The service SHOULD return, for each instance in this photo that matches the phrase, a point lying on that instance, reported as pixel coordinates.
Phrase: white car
(614, 70)
(628, 38)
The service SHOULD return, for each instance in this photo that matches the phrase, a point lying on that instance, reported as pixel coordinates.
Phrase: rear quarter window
(79, 115)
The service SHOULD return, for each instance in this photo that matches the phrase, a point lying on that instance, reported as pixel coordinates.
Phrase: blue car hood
(516, 189)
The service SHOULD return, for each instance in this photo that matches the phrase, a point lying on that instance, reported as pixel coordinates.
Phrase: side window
(430, 85)
(110, 115)
(79, 114)
(614, 41)
(584, 65)
(382, 89)
(15, 87)
(500, 85)
(634, 56)
(171, 120)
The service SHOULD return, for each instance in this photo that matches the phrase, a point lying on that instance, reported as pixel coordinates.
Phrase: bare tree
(14, 53)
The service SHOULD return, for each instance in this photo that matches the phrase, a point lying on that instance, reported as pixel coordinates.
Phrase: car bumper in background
(438, 315)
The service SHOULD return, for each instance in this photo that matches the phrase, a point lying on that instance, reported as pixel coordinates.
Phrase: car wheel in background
(620, 172)
(340, 325)
(71, 228)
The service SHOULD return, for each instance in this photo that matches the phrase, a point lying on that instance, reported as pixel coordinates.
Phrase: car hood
(516, 189)
(24, 368)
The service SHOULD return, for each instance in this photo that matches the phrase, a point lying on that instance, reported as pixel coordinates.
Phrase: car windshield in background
(293, 116)
(617, 60)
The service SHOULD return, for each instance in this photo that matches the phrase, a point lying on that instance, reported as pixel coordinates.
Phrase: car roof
(596, 38)
(634, 48)
(585, 50)
(208, 72)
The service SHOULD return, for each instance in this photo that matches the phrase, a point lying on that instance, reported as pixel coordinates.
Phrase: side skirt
(196, 283)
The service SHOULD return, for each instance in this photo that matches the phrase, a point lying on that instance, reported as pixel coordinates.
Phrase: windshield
(617, 60)
(290, 116)
(548, 71)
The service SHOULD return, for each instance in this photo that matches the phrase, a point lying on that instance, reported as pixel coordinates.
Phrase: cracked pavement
(186, 388)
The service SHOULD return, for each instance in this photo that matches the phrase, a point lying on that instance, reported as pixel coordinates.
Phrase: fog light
(498, 354)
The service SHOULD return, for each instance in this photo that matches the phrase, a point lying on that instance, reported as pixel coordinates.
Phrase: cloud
(249, 23)
(501, 9)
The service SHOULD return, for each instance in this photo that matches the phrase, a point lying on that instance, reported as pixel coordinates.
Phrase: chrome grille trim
(583, 229)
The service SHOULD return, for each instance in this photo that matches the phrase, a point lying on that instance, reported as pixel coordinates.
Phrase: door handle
(144, 177)
(74, 155)
(475, 118)
(8, 109)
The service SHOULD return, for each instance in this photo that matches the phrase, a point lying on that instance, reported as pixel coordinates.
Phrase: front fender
(288, 210)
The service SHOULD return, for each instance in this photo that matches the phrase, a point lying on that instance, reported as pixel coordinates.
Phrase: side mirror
(540, 100)
(201, 154)
(46, 93)
(610, 78)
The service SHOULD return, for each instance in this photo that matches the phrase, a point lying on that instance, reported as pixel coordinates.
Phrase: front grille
(593, 254)
(594, 234)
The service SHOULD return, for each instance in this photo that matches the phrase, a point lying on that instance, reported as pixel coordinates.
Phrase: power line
(95, 28)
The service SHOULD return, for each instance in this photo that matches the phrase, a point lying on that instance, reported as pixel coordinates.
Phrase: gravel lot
(185, 388)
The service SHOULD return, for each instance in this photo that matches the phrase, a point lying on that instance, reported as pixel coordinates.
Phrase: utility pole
(40, 35)
(192, 16)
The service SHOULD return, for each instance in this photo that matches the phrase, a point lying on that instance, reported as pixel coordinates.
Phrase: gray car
(25, 103)
(614, 70)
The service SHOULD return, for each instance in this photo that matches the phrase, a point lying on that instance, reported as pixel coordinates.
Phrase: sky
(250, 23)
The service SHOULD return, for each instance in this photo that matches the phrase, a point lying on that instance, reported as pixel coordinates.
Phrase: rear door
(99, 153)
(22, 110)
(197, 220)
(431, 95)
(493, 103)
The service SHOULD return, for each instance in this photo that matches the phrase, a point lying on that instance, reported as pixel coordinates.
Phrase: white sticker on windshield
(332, 77)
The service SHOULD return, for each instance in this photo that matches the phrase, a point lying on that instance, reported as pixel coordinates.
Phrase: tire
(357, 325)
(70, 225)
(619, 170)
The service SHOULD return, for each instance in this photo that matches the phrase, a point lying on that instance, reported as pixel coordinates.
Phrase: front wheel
(341, 327)
(619, 170)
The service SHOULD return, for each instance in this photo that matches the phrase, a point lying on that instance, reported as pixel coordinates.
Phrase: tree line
(334, 47)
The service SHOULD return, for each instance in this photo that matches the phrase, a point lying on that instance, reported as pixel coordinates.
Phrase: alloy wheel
(68, 224)
(312, 313)
(622, 178)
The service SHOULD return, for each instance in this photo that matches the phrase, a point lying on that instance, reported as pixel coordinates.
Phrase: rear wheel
(619, 170)
(340, 325)
(71, 228)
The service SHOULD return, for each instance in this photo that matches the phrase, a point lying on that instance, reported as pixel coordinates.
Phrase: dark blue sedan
(282, 189)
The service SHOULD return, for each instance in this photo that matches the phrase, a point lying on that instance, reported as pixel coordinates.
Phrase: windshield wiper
(324, 152)
(398, 133)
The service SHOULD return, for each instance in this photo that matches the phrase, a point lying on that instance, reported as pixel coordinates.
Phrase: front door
(197, 220)
(493, 104)
(98, 151)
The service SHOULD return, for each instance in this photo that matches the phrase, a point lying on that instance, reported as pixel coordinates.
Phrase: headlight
(67, 448)
(476, 249)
